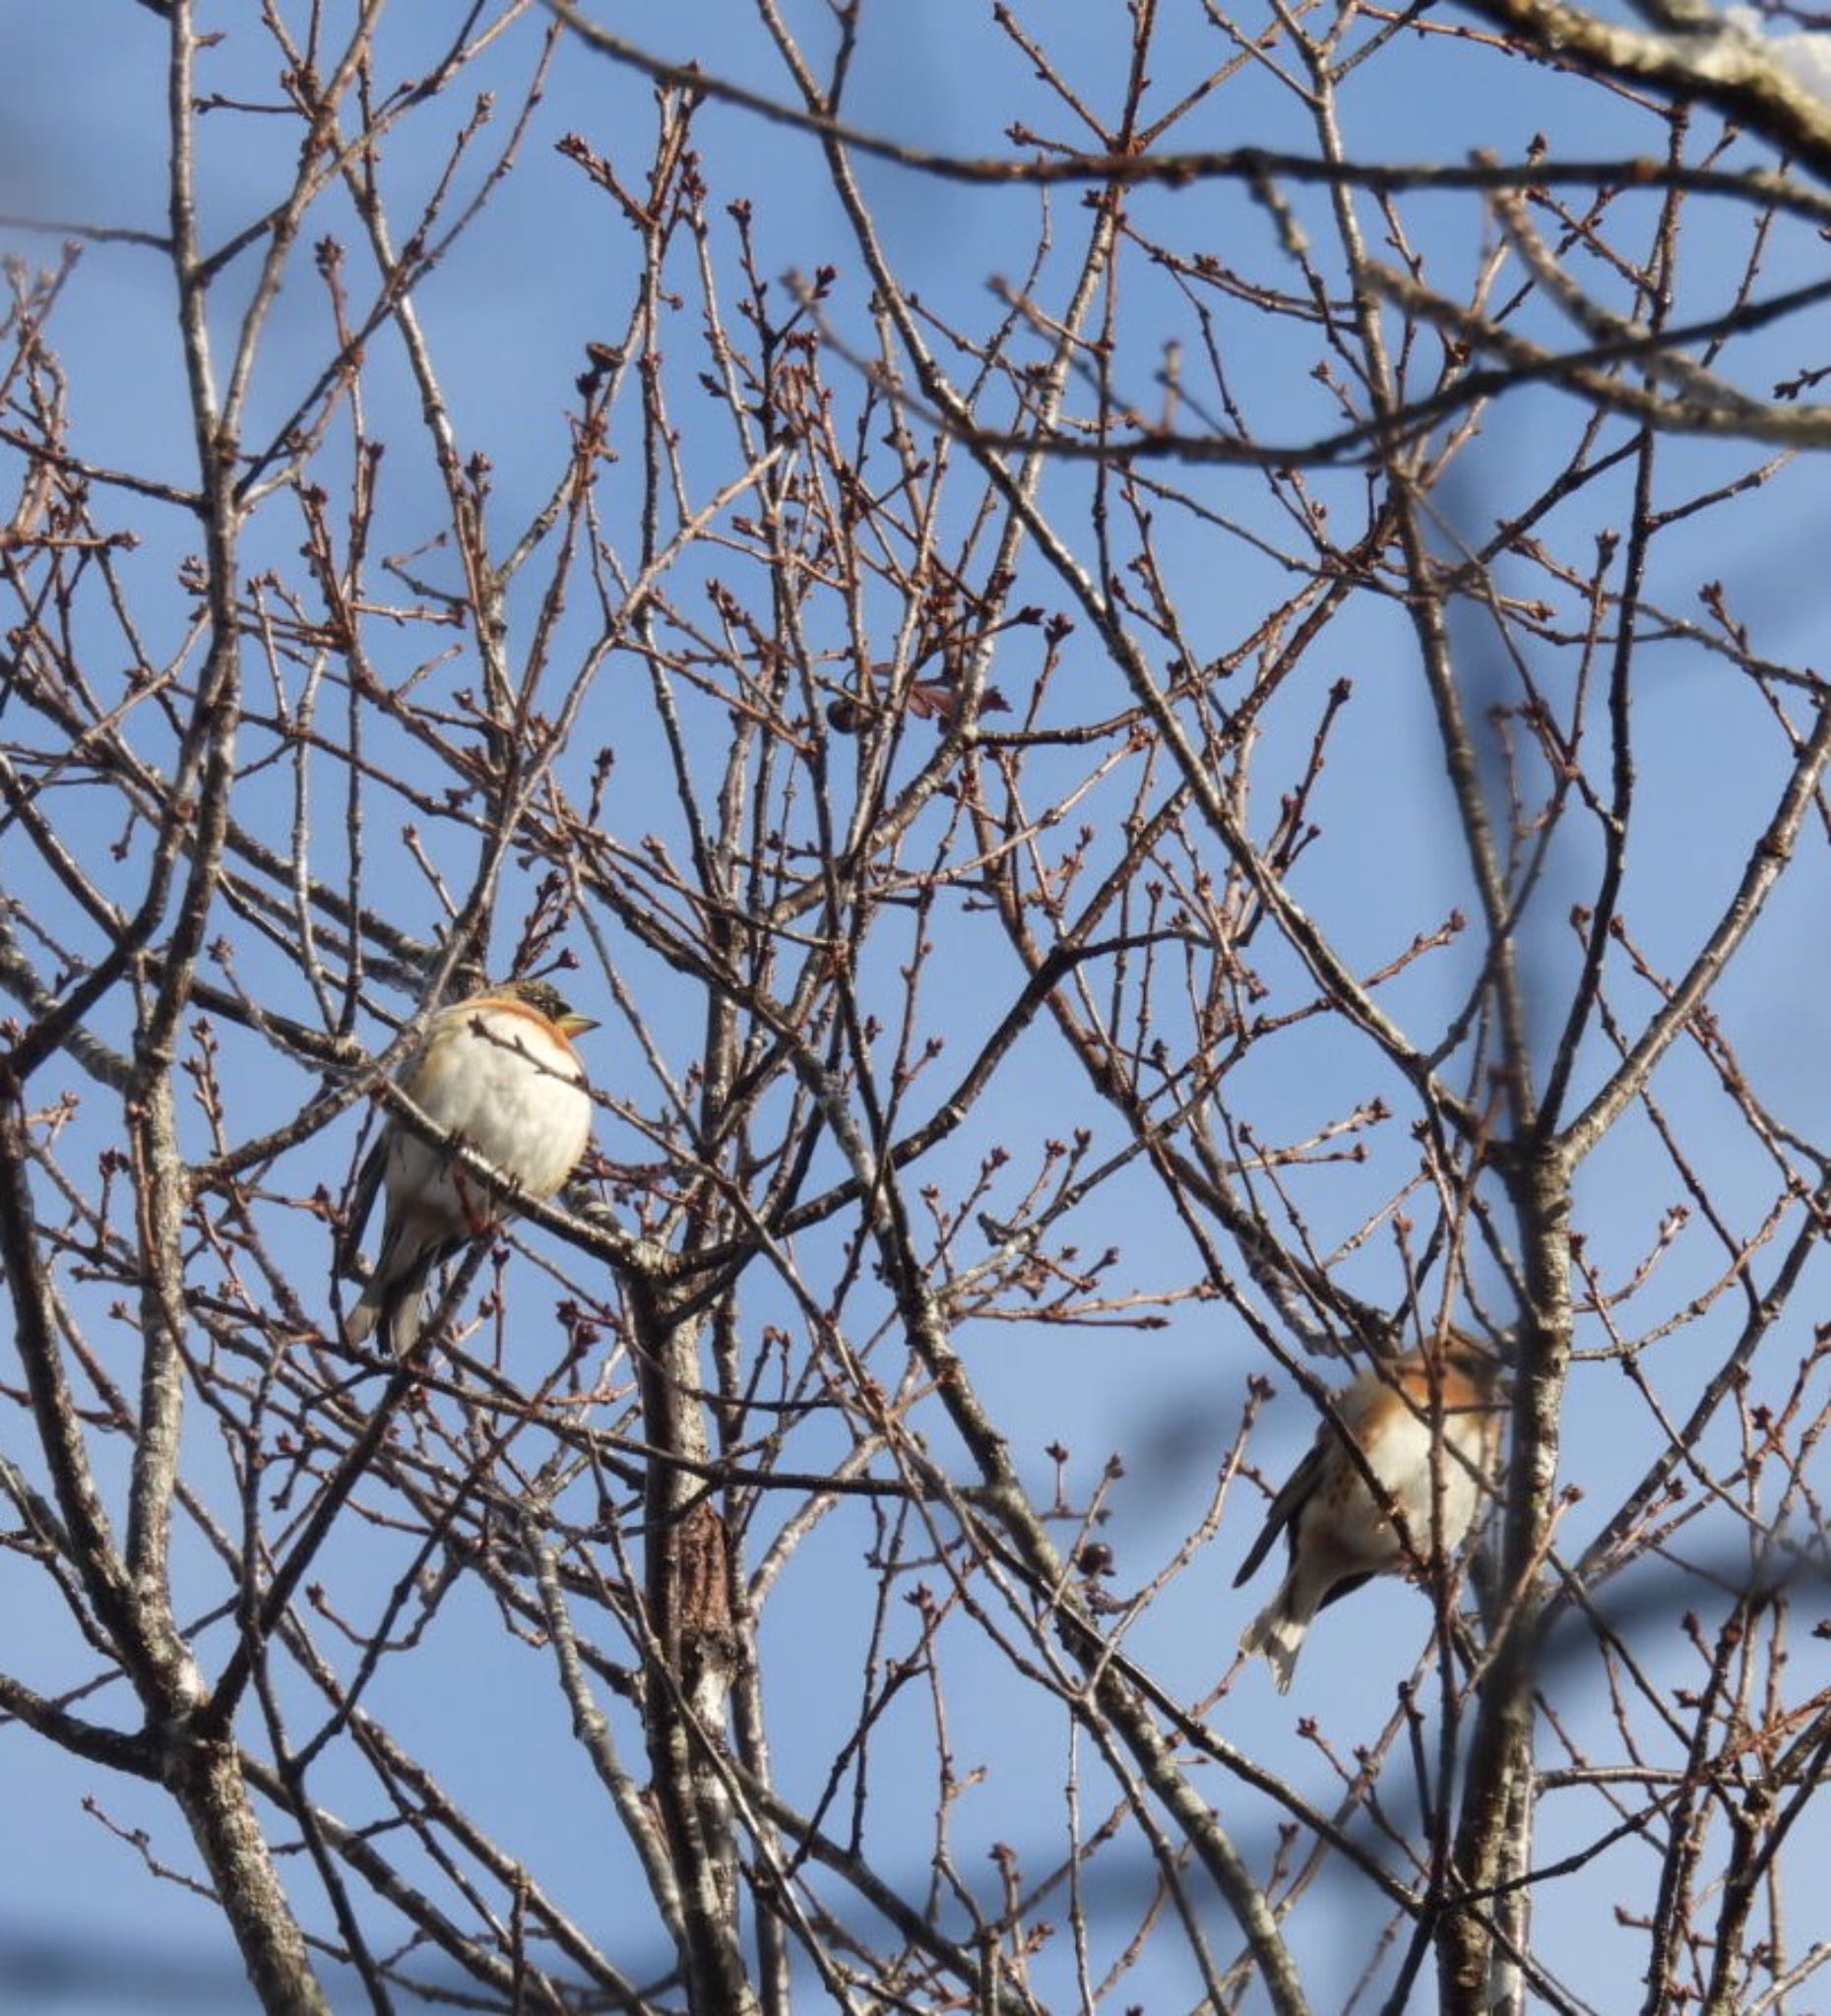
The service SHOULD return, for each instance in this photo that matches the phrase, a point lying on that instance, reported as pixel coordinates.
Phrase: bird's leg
(479, 1211)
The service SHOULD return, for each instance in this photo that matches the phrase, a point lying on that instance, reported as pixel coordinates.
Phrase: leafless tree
(1171, 763)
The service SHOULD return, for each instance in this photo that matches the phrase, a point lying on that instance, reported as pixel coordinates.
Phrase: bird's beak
(575, 1025)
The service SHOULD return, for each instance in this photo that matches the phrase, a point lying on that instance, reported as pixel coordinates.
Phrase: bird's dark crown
(547, 999)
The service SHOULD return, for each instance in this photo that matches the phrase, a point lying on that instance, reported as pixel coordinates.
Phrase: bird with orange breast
(498, 1072)
(1428, 1426)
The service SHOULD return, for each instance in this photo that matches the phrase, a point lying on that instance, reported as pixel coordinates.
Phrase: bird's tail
(1277, 1634)
(395, 1299)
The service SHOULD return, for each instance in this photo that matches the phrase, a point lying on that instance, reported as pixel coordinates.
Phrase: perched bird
(1339, 1533)
(499, 1071)
(936, 700)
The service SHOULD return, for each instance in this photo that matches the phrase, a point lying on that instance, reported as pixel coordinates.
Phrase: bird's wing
(1345, 1587)
(1283, 1508)
(362, 1203)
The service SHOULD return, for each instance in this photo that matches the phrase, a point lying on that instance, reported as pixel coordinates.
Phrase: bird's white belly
(1412, 1476)
(520, 1103)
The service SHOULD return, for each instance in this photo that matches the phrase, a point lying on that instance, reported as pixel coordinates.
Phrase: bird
(1338, 1532)
(496, 1070)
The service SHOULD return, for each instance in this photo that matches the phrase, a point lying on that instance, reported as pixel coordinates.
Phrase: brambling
(497, 1070)
(1339, 1533)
